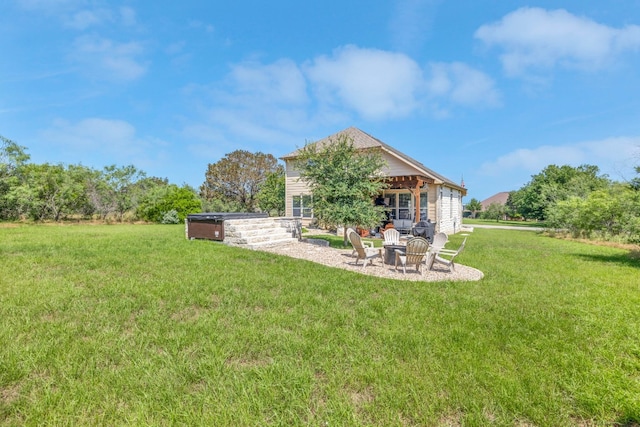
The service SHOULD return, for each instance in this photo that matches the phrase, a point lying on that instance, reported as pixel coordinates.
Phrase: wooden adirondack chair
(363, 252)
(414, 254)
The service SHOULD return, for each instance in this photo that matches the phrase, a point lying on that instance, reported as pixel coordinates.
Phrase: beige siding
(294, 187)
(433, 198)
(450, 208)
(397, 167)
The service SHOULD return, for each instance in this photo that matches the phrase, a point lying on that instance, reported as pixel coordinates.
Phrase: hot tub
(210, 225)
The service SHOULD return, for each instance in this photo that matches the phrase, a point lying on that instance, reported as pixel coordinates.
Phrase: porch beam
(408, 182)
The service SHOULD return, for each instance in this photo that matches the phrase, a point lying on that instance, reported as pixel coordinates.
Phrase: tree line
(579, 199)
(241, 181)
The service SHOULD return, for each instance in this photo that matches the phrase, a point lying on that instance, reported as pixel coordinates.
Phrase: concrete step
(260, 241)
(253, 224)
(256, 232)
(272, 243)
(250, 240)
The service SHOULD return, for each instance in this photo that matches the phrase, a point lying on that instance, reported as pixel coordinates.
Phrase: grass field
(134, 325)
(471, 222)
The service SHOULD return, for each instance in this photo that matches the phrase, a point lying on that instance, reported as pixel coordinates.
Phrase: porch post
(416, 193)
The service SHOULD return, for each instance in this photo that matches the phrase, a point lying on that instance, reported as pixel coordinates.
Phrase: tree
(344, 182)
(238, 177)
(512, 204)
(556, 183)
(113, 190)
(52, 192)
(474, 206)
(494, 211)
(271, 197)
(13, 158)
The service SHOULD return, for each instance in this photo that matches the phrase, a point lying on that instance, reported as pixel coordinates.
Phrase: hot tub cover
(222, 216)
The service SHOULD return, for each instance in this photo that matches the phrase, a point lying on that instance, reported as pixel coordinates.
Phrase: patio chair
(413, 255)
(391, 237)
(439, 240)
(365, 244)
(447, 256)
(363, 252)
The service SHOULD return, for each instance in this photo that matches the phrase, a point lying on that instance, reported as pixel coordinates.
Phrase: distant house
(415, 192)
(500, 198)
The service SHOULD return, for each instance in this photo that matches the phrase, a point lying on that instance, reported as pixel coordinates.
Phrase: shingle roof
(500, 198)
(362, 140)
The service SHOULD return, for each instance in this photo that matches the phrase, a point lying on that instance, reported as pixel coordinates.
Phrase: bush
(170, 217)
(165, 199)
(611, 214)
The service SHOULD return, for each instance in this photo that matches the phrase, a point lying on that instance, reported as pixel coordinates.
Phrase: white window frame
(303, 211)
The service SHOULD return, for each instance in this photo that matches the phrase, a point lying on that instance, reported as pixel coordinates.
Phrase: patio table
(390, 253)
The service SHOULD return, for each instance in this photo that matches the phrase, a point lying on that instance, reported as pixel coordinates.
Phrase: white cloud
(255, 102)
(281, 82)
(462, 85)
(270, 102)
(375, 83)
(260, 101)
(611, 155)
(108, 59)
(542, 39)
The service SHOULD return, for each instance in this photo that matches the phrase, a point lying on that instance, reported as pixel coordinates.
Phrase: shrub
(170, 217)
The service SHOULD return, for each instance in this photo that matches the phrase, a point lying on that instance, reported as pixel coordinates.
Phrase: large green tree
(271, 197)
(344, 181)
(237, 178)
(553, 184)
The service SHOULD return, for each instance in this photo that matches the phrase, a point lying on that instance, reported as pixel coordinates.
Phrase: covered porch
(409, 197)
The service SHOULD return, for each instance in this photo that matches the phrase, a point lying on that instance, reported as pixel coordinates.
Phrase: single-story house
(414, 191)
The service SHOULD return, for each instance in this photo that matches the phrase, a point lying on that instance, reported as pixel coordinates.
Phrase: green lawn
(471, 222)
(135, 325)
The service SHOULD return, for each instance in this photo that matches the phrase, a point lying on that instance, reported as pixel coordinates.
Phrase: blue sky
(492, 91)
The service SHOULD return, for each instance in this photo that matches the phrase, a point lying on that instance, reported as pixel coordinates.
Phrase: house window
(390, 201)
(302, 206)
(424, 214)
(404, 206)
(451, 203)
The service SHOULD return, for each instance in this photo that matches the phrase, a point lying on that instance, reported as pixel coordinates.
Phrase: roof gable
(500, 198)
(362, 140)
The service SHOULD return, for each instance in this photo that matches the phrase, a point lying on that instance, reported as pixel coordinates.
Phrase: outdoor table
(390, 253)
